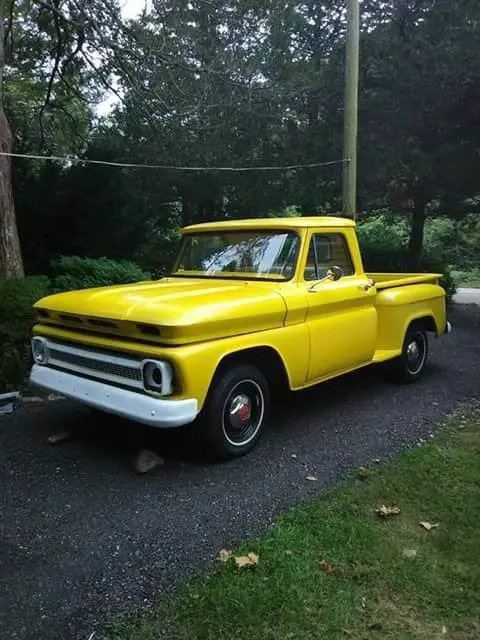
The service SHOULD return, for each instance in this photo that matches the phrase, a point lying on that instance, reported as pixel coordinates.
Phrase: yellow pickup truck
(251, 307)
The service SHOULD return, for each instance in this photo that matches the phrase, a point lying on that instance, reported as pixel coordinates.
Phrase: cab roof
(298, 222)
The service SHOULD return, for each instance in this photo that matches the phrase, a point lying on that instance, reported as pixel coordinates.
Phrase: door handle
(366, 287)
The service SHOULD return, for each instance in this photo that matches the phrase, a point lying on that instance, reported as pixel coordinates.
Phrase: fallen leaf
(328, 567)
(409, 553)
(224, 555)
(249, 560)
(55, 397)
(364, 473)
(60, 436)
(147, 460)
(312, 478)
(428, 526)
(243, 561)
(387, 510)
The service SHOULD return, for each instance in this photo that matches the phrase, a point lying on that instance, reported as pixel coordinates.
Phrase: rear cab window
(325, 251)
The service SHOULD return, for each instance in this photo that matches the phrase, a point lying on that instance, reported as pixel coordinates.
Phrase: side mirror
(333, 274)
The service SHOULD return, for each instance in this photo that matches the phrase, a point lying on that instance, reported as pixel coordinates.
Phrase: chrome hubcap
(413, 353)
(240, 410)
(243, 413)
(416, 353)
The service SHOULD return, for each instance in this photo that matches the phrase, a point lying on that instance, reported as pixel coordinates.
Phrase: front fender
(195, 365)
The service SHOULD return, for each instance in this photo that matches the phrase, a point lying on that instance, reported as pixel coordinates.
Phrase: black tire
(235, 411)
(410, 366)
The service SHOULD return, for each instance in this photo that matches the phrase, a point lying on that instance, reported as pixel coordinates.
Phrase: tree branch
(56, 65)
(9, 27)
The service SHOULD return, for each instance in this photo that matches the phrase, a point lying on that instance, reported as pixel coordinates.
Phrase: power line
(128, 165)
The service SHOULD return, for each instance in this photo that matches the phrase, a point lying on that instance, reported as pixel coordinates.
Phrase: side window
(326, 251)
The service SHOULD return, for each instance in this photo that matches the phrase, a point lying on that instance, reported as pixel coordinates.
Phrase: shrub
(17, 295)
(158, 252)
(441, 240)
(291, 211)
(434, 265)
(468, 278)
(72, 272)
(469, 239)
(454, 242)
(384, 244)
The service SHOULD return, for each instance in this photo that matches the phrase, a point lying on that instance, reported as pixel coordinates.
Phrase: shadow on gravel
(112, 437)
(116, 441)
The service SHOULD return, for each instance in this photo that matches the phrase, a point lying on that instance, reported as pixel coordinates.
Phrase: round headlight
(39, 351)
(157, 377)
(152, 376)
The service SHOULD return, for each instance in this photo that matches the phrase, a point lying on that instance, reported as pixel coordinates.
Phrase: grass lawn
(333, 568)
(469, 279)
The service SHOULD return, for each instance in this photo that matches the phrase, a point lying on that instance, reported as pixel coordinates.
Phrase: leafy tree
(224, 83)
(55, 57)
(419, 108)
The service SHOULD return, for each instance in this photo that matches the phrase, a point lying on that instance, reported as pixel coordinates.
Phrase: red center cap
(245, 412)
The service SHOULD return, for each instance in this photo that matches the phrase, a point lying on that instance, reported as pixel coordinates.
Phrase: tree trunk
(210, 210)
(186, 211)
(416, 235)
(10, 254)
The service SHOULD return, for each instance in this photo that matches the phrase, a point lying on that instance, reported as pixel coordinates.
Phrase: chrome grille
(89, 362)
(99, 366)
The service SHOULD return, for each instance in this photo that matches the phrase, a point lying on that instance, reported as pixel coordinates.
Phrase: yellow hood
(183, 309)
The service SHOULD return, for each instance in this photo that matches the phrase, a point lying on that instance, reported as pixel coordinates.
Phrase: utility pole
(351, 110)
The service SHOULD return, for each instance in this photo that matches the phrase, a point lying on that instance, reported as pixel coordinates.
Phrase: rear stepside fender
(399, 307)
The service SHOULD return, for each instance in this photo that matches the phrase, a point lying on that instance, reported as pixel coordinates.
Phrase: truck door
(341, 316)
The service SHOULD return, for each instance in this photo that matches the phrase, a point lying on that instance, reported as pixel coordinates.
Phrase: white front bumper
(139, 407)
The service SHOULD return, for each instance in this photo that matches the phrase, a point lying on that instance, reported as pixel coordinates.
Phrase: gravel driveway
(467, 296)
(82, 536)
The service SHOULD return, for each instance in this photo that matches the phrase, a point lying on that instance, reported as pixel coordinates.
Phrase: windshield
(239, 254)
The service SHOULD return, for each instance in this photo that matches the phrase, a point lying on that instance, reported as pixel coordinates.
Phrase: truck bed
(389, 280)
